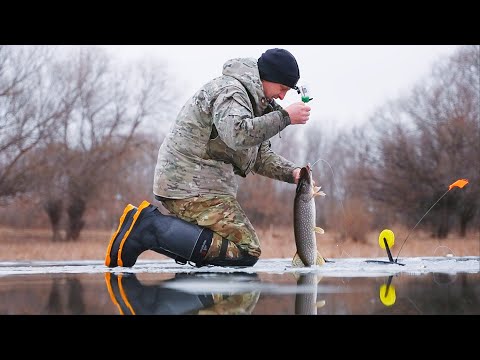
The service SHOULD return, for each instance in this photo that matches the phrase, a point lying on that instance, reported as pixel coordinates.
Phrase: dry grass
(280, 243)
(35, 244)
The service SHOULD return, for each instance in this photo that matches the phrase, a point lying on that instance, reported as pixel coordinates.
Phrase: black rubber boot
(133, 298)
(146, 228)
(125, 222)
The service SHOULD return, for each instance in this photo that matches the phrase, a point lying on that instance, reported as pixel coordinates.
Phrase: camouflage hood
(245, 70)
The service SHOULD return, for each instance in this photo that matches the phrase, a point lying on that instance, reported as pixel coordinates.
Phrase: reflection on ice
(132, 297)
(237, 292)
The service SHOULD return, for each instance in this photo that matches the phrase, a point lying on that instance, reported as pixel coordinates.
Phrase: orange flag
(459, 183)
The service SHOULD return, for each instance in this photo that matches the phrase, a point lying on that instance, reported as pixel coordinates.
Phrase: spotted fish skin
(306, 300)
(304, 215)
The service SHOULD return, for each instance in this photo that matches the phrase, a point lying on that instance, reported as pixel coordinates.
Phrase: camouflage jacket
(222, 131)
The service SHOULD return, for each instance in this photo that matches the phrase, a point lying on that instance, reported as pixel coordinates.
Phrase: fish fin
(297, 262)
(320, 260)
(320, 303)
(318, 230)
(317, 192)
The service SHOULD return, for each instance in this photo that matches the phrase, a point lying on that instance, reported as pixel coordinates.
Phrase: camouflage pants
(224, 216)
(236, 304)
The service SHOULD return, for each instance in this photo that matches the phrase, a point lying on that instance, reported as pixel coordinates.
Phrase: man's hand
(296, 175)
(299, 113)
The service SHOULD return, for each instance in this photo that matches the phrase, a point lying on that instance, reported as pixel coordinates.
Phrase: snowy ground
(341, 267)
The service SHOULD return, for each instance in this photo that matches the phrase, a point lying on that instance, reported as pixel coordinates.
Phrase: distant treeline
(79, 138)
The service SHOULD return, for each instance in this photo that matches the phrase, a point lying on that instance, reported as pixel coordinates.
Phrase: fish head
(305, 181)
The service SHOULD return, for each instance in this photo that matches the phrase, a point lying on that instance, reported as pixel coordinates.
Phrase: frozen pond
(358, 286)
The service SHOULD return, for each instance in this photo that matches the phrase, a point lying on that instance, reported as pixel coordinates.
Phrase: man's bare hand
(296, 174)
(299, 113)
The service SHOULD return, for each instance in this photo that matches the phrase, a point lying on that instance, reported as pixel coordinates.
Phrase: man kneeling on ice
(222, 131)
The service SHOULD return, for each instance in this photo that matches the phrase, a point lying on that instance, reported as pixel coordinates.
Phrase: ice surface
(340, 267)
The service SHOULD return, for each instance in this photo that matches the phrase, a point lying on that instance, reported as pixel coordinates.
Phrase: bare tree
(96, 134)
(27, 112)
(132, 183)
(450, 133)
(422, 143)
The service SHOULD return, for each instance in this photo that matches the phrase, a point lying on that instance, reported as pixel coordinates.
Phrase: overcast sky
(347, 82)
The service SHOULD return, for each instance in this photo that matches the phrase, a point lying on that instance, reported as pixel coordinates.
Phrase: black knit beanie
(279, 66)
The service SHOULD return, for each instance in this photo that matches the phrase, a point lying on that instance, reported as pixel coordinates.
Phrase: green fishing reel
(303, 91)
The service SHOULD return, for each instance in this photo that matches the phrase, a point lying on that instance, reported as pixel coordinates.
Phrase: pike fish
(306, 302)
(304, 227)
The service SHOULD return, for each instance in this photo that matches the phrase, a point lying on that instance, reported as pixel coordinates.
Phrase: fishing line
(404, 241)
(333, 178)
(341, 202)
(448, 253)
(460, 183)
(415, 305)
